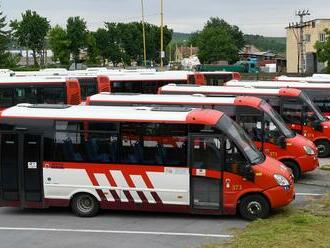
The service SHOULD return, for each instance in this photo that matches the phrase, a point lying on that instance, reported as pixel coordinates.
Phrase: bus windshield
(277, 119)
(241, 139)
(312, 110)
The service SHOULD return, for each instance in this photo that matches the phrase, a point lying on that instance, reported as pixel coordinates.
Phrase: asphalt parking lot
(59, 228)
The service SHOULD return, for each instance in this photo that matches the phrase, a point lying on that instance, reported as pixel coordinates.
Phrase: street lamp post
(162, 55)
(144, 36)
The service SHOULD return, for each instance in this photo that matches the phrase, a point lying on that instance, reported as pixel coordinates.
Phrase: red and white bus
(148, 83)
(295, 107)
(151, 159)
(90, 83)
(51, 90)
(263, 124)
(318, 93)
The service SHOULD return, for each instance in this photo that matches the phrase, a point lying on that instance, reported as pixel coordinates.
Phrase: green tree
(218, 41)
(103, 43)
(59, 44)
(31, 32)
(215, 44)
(4, 55)
(323, 50)
(92, 50)
(77, 34)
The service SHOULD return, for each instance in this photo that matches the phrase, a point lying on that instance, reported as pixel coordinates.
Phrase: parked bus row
(161, 152)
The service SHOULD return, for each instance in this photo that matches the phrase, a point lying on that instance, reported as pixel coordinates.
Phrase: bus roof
(278, 84)
(103, 113)
(148, 76)
(209, 90)
(315, 79)
(172, 99)
(32, 80)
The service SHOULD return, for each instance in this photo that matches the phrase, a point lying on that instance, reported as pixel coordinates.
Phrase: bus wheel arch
(254, 205)
(323, 147)
(294, 166)
(85, 204)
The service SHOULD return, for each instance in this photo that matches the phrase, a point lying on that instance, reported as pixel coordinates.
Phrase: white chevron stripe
(103, 181)
(121, 182)
(139, 183)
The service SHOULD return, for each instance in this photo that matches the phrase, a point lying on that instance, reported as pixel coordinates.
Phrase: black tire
(323, 147)
(294, 168)
(85, 205)
(253, 207)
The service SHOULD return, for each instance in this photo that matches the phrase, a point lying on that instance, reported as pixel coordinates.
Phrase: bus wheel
(254, 207)
(294, 168)
(85, 205)
(323, 147)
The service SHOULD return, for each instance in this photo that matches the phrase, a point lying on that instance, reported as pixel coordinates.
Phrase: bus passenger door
(9, 173)
(206, 162)
(32, 168)
(21, 169)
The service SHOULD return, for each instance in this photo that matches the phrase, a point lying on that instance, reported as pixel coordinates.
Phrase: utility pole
(144, 36)
(162, 54)
(298, 30)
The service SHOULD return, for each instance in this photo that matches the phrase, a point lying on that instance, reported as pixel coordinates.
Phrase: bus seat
(69, 151)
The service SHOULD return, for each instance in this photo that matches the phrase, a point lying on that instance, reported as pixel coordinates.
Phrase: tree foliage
(92, 50)
(4, 40)
(273, 44)
(31, 32)
(77, 35)
(122, 42)
(218, 41)
(59, 43)
(323, 50)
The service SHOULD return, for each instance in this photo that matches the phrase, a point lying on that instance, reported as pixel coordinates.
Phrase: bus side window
(6, 97)
(234, 159)
(292, 111)
(153, 144)
(251, 121)
(207, 153)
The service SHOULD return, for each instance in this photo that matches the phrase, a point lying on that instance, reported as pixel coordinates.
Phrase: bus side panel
(118, 186)
(73, 92)
(103, 84)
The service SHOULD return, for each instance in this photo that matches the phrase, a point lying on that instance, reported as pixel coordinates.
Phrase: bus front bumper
(280, 196)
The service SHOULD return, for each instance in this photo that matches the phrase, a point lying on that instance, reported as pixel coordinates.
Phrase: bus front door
(21, 169)
(206, 162)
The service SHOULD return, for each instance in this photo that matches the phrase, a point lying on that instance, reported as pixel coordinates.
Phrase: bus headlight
(309, 150)
(281, 180)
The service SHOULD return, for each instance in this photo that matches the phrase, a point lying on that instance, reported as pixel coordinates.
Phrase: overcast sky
(265, 17)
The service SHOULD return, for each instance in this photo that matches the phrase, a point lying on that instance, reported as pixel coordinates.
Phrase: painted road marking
(308, 194)
(115, 232)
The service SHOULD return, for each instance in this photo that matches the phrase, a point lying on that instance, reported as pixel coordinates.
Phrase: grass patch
(290, 228)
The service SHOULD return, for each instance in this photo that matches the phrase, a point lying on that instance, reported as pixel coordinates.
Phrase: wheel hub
(254, 208)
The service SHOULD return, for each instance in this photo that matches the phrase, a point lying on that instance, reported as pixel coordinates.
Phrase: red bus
(148, 83)
(51, 90)
(263, 124)
(90, 83)
(318, 93)
(151, 159)
(295, 107)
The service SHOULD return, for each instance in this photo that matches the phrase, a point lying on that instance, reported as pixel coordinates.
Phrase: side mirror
(281, 141)
(317, 125)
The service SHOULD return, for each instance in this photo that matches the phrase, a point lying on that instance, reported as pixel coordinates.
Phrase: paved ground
(59, 228)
